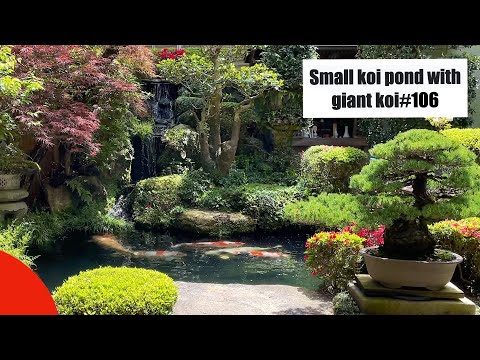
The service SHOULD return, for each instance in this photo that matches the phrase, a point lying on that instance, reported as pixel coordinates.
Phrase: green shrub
(265, 203)
(334, 256)
(47, 228)
(463, 238)
(218, 198)
(116, 291)
(469, 138)
(195, 183)
(334, 211)
(14, 240)
(329, 168)
(343, 304)
(262, 202)
(156, 200)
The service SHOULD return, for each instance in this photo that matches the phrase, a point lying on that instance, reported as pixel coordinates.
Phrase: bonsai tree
(419, 176)
(207, 78)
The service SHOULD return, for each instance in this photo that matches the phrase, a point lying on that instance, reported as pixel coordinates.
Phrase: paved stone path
(238, 299)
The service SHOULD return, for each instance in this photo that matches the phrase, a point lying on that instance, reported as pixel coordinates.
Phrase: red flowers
(166, 54)
(314, 272)
(149, 206)
(373, 237)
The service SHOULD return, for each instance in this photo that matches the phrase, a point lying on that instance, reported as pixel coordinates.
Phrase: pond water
(81, 253)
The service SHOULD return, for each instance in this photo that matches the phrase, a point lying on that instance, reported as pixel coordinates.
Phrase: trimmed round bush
(155, 200)
(470, 138)
(329, 168)
(116, 291)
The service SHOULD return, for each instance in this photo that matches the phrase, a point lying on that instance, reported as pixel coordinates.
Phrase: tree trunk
(214, 110)
(420, 191)
(202, 129)
(68, 161)
(408, 239)
(228, 148)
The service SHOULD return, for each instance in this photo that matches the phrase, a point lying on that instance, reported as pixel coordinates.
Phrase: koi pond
(244, 260)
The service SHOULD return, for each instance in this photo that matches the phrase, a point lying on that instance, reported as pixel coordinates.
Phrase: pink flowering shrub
(170, 54)
(334, 256)
(463, 238)
(373, 237)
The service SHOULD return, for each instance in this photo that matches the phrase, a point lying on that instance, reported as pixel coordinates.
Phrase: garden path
(238, 299)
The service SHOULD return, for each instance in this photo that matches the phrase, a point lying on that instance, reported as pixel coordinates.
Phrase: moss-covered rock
(214, 223)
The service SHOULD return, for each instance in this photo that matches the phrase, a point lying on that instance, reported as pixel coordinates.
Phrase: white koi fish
(208, 245)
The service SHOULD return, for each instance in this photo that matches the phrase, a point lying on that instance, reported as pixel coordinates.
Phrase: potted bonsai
(13, 164)
(420, 176)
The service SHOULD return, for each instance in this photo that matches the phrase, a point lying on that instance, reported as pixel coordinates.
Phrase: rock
(12, 195)
(95, 186)
(59, 198)
(206, 222)
(17, 209)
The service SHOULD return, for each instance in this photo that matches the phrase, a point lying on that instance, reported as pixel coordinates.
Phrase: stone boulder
(214, 223)
(59, 198)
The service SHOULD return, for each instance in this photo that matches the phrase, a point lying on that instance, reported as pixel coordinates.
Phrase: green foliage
(381, 130)
(116, 291)
(207, 78)
(263, 202)
(329, 168)
(14, 240)
(469, 138)
(217, 198)
(333, 211)
(156, 200)
(13, 92)
(449, 167)
(183, 139)
(15, 161)
(195, 183)
(47, 228)
(463, 238)
(344, 304)
(287, 60)
(77, 185)
(334, 257)
(142, 129)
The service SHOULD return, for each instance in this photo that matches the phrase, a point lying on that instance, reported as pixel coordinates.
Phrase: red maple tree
(78, 83)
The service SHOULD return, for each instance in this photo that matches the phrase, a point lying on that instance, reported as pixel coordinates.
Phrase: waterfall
(119, 209)
(162, 108)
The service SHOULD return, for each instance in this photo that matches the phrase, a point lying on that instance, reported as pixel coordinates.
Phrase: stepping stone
(372, 288)
(12, 195)
(377, 305)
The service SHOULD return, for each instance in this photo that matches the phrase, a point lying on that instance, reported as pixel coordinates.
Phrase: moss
(214, 223)
(116, 291)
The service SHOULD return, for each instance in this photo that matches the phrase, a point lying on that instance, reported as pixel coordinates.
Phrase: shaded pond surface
(79, 253)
